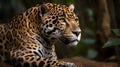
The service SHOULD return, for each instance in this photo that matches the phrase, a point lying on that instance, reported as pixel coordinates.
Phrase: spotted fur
(27, 41)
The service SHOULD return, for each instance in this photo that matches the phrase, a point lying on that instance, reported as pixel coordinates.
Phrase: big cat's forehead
(61, 10)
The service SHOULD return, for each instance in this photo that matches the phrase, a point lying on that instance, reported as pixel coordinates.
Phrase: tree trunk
(103, 29)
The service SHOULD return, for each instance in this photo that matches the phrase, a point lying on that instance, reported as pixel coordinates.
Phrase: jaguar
(28, 39)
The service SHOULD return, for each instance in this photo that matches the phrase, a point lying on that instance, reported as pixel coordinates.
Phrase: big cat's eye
(76, 19)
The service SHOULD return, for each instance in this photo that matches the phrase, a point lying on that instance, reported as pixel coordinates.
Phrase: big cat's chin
(69, 42)
(74, 43)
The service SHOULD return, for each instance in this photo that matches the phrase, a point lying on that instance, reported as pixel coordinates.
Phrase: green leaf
(116, 32)
(112, 42)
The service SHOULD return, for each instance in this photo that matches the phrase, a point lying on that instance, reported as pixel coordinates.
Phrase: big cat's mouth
(73, 41)
(67, 41)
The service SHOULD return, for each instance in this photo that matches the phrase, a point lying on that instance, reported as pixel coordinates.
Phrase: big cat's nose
(76, 32)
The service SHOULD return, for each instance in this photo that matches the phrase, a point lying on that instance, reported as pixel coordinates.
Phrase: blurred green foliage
(116, 32)
(114, 41)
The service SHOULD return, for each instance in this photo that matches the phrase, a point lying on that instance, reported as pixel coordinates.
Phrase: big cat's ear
(43, 9)
(71, 7)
